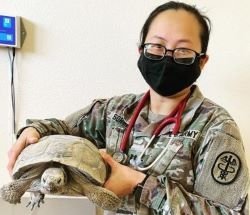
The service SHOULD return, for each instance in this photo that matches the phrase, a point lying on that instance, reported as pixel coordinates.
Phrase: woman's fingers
(28, 136)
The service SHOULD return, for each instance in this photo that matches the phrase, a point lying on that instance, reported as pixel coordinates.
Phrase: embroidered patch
(119, 120)
(226, 168)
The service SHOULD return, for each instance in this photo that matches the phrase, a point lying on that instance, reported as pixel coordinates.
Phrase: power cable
(12, 84)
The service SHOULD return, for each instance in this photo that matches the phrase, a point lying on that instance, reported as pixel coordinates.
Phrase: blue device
(10, 33)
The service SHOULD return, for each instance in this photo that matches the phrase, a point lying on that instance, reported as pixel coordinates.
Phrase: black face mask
(167, 77)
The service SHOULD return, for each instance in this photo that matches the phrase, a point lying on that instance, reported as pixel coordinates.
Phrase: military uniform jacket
(203, 170)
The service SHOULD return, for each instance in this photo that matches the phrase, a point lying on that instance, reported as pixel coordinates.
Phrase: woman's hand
(122, 179)
(28, 136)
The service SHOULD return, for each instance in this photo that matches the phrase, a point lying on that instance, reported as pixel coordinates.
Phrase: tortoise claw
(36, 199)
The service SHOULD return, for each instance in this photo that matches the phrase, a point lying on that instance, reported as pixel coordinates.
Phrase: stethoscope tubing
(139, 159)
(137, 110)
(173, 117)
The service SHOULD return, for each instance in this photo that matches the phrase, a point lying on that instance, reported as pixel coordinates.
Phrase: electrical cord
(13, 99)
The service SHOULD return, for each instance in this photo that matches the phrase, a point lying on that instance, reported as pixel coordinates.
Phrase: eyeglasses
(184, 56)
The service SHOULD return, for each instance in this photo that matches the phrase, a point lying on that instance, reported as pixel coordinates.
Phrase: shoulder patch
(226, 168)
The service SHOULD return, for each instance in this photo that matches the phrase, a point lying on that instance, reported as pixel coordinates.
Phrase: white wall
(77, 50)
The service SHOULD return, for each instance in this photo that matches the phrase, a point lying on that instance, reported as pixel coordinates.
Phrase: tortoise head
(53, 180)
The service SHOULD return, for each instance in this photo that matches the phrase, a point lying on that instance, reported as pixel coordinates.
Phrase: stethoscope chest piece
(120, 157)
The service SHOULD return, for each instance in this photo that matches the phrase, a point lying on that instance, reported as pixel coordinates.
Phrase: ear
(140, 50)
(203, 61)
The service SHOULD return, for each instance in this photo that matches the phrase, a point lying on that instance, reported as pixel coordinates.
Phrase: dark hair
(203, 20)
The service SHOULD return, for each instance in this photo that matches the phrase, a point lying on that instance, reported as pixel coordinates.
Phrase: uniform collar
(129, 110)
(192, 105)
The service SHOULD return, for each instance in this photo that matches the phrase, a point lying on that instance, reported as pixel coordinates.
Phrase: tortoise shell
(68, 150)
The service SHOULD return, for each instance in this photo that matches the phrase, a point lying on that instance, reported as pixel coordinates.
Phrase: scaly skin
(13, 191)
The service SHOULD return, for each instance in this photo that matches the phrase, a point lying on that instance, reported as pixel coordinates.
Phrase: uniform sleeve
(221, 179)
(88, 122)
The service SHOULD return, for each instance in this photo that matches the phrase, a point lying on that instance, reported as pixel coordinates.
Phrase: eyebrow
(179, 41)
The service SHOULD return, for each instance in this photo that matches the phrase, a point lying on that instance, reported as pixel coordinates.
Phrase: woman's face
(176, 29)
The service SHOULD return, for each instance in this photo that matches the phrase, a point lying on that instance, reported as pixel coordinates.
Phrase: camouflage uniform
(203, 170)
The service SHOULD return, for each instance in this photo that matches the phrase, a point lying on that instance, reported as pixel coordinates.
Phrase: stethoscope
(173, 117)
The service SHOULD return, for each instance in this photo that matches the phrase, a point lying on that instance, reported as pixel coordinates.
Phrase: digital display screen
(7, 30)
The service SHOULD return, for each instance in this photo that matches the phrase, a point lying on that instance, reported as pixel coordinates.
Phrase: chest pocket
(169, 148)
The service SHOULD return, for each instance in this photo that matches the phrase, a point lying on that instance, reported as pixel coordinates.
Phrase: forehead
(176, 25)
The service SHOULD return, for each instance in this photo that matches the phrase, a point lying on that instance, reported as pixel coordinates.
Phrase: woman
(194, 163)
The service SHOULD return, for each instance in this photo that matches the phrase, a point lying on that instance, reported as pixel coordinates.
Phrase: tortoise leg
(102, 197)
(13, 191)
(36, 197)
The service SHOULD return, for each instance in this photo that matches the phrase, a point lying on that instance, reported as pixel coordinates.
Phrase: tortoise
(60, 165)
